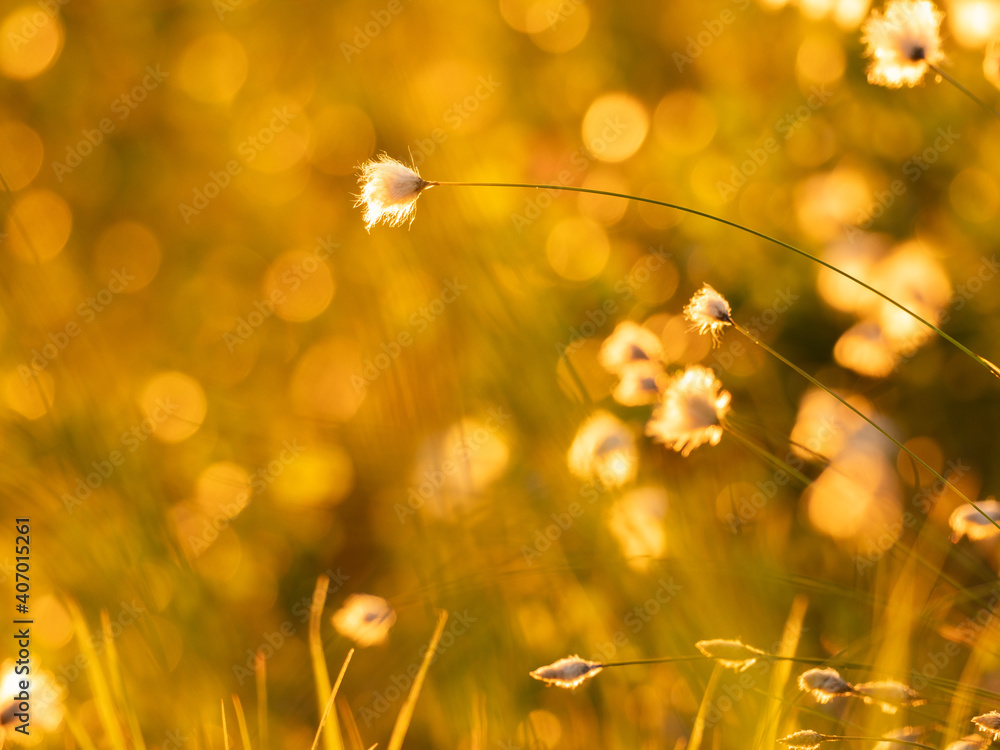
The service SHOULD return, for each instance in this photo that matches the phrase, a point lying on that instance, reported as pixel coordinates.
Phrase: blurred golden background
(216, 386)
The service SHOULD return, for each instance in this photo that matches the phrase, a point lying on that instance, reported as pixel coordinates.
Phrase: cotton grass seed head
(709, 312)
(824, 684)
(902, 42)
(891, 740)
(969, 742)
(690, 412)
(967, 521)
(989, 724)
(389, 191)
(805, 739)
(630, 343)
(603, 449)
(889, 695)
(569, 672)
(641, 383)
(365, 619)
(730, 654)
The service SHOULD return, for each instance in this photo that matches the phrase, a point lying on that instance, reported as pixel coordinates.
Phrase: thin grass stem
(960, 87)
(992, 368)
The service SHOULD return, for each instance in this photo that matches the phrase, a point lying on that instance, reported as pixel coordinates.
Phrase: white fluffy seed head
(824, 684)
(989, 724)
(568, 672)
(709, 312)
(902, 42)
(690, 412)
(389, 191)
(889, 695)
(731, 654)
(805, 739)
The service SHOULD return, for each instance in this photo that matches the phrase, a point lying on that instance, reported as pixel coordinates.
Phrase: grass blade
(260, 670)
(327, 711)
(98, 682)
(241, 720)
(331, 738)
(406, 712)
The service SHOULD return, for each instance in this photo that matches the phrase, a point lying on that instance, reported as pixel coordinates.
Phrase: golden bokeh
(577, 249)
(33, 36)
(21, 153)
(131, 247)
(212, 68)
(31, 395)
(615, 127)
(173, 405)
(39, 226)
(299, 284)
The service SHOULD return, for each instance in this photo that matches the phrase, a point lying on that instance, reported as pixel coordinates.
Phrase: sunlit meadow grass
(668, 418)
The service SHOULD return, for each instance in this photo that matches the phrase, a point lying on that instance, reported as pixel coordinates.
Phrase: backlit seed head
(603, 449)
(989, 724)
(969, 742)
(365, 619)
(709, 312)
(690, 412)
(824, 684)
(641, 383)
(389, 191)
(902, 42)
(889, 695)
(806, 739)
(890, 740)
(568, 672)
(967, 521)
(630, 343)
(731, 654)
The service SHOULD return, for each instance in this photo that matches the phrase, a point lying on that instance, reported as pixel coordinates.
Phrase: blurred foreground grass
(217, 387)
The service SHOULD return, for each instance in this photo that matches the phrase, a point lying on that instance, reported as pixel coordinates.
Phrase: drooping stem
(871, 422)
(992, 368)
(950, 79)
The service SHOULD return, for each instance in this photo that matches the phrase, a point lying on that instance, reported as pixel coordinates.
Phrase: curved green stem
(992, 368)
(885, 434)
(964, 90)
